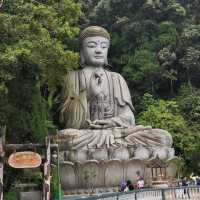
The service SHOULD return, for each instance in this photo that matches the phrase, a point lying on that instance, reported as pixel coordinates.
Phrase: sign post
(28, 159)
(2, 153)
(47, 171)
(1, 168)
(58, 175)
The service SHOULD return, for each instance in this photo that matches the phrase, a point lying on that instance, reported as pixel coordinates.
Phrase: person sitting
(130, 185)
(123, 186)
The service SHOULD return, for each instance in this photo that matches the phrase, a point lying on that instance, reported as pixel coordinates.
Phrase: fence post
(135, 195)
(163, 194)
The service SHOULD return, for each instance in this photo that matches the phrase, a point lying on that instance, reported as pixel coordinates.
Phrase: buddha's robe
(94, 94)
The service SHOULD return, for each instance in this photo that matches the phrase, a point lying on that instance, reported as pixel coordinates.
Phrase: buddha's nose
(98, 50)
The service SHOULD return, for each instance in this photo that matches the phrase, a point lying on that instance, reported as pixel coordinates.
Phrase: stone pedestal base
(100, 176)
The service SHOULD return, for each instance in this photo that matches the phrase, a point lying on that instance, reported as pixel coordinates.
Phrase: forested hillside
(155, 45)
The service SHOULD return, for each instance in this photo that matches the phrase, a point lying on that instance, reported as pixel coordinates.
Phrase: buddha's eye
(91, 44)
(104, 45)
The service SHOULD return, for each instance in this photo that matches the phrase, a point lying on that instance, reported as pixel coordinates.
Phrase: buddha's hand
(102, 124)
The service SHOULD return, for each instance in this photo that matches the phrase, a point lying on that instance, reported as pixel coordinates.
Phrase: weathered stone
(96, 109)
(36, 195)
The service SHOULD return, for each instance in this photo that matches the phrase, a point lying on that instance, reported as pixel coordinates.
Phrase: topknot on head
(93, 31)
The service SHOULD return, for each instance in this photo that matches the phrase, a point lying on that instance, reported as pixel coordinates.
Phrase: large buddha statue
(96, 106)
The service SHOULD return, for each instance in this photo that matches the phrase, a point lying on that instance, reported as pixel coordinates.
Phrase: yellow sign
(24, 159)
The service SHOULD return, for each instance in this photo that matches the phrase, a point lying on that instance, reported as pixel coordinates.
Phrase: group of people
(128, 185)
(195, 179)
(192, 180)
(184, 182)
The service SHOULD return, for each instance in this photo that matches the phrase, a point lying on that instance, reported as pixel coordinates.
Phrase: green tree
(36, 50)
(163, 114)
(166, 115)
(190, 104)
(191, 62)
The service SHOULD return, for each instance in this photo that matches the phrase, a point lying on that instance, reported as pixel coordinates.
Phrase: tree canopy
(37, 47)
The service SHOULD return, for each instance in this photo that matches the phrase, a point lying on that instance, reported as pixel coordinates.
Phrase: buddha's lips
(98, 57)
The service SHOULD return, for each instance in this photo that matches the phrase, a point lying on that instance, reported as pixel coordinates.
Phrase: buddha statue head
(94, 44)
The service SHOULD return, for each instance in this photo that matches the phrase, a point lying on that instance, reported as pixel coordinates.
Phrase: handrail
(169, 193)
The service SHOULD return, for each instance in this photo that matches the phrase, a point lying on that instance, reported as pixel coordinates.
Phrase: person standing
(140, 183)
(184, 183)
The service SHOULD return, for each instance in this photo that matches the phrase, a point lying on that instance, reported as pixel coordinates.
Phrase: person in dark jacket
(130, 185)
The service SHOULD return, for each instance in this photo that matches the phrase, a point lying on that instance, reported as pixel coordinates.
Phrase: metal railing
(172, 193)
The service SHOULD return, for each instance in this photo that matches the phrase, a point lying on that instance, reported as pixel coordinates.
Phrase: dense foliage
(155, 46)
(36, 49)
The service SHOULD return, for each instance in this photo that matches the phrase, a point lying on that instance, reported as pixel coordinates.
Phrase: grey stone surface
(93, 174)
(32, 195)
(172, 168)
(132, 167)
(68, 175)
(113, 173)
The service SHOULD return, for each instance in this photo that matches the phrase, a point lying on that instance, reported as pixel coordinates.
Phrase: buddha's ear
(82, 59)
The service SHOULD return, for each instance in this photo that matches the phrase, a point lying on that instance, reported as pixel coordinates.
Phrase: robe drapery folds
(95, 94)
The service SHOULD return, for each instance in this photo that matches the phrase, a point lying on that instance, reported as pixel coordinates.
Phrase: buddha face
(94, 51)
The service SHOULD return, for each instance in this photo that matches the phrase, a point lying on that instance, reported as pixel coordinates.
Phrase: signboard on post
(24, 159)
